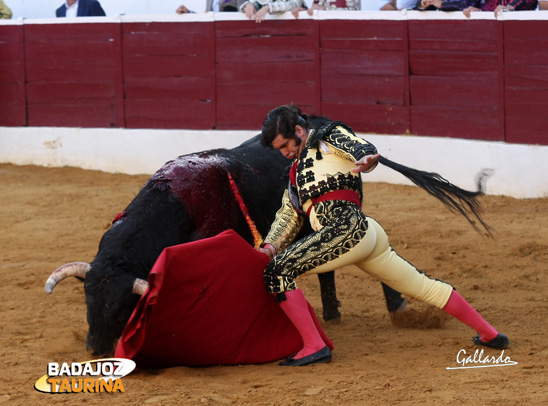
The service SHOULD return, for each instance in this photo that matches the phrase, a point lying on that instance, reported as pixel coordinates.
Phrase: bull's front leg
(394, 299)
(330, 303)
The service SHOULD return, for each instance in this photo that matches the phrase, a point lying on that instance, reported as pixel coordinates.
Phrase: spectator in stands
(5, 12)
(334, 5)
(391, 5)
(258, 9)
(498, 8)
(80, 8)
(328, 5)
(447, 5)
(182, 9)
(215, 6)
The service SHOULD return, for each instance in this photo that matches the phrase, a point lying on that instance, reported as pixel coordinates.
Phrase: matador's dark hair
(283, 120)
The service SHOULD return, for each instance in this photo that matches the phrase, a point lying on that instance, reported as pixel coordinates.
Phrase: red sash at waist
(343, 194)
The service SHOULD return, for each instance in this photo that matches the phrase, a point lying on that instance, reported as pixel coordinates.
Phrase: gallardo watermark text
(479, 360)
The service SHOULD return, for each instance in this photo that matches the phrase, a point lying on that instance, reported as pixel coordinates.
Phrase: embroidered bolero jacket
(324, 166)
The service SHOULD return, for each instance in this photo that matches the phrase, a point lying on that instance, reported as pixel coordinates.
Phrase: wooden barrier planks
(73, 74)
(364, 74)
(476, 79)
(454, 69)
(169, 79)
(12, 76)
(526, 81)
(261, 66)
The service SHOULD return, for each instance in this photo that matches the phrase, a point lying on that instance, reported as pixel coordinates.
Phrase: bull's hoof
(335, 320)
(401, 308)
(332, 316)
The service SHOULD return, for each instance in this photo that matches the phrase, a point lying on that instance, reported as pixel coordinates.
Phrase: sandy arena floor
(51, 216)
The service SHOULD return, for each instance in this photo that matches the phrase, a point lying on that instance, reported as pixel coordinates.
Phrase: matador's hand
(366, 164)
(268, 250)
(268, 253)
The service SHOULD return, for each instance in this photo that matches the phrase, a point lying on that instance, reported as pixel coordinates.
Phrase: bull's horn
(71, 269)
(140, 286)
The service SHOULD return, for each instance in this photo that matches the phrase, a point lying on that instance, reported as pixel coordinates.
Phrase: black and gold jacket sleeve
(342, 140)
(286, 226)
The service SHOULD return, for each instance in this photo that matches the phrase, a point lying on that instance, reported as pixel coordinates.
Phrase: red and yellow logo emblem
(101, 375)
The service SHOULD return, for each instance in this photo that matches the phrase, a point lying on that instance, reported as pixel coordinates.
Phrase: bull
(187, 199)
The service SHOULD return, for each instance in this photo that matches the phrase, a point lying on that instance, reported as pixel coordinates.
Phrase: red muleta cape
(207, 305)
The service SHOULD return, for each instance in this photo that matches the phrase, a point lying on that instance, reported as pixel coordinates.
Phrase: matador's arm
(343, 142)
(286, 226)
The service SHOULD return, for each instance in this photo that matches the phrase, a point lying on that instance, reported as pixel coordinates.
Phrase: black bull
(186, 200)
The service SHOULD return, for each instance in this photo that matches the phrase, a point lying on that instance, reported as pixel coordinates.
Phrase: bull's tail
(452, 196)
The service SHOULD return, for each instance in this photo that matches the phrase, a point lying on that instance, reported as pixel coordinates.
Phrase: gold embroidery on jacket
(343, 227)
(286, 226)
(319, 172)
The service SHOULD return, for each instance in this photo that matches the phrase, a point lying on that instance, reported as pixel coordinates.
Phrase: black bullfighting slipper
(324, 355)
(500, 342)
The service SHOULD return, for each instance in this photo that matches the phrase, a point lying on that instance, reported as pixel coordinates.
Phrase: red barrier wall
(260, 66)
(12, 76)
(364, 74)
(74, 75)
(169, 75)
(481, 79)
(455, 70)
(526, 81)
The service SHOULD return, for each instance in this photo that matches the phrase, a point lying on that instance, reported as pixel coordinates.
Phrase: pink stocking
(463, 311)
(296, 309)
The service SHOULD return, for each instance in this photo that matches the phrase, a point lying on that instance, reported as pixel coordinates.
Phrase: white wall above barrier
(518, 170)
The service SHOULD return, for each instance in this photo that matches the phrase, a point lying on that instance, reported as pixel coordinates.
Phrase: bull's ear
(78, 269)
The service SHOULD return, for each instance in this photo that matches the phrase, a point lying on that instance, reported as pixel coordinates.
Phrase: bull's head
(110, 299)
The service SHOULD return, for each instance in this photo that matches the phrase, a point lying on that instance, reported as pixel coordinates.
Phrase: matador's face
(291, 147)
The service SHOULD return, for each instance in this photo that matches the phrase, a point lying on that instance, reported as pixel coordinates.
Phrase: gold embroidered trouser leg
(345, 236)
